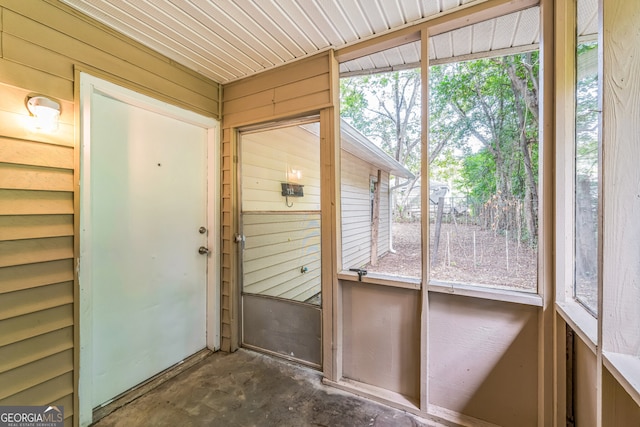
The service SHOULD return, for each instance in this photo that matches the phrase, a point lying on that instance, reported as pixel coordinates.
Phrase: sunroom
(125, 223)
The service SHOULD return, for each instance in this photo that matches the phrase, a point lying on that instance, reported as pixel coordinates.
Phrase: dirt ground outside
(466, 254)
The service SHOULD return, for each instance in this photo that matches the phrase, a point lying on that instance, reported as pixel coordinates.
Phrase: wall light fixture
(45, 112)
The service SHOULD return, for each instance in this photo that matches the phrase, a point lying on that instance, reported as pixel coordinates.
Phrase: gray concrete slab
(246, 388)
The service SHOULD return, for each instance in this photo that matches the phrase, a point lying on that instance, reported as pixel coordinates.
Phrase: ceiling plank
(444, 22)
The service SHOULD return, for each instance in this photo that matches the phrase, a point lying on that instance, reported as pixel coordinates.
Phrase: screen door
(280, 241)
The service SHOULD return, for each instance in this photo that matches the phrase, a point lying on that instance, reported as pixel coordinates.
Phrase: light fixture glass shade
(45, 112)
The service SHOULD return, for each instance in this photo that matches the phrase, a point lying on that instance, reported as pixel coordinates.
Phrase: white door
(147, 219)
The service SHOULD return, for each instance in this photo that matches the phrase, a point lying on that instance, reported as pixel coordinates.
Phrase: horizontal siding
(18, 227)
(356, 211)
(277, 247)
(38, 30)
(22, 177)
(298, 77)
(266, 156)
(22, 76)
(44, 393)
(18, 252)
(36, 252)
(34, 373)
(22, 152)
(229, 336)
(385, 212)
(42, 44)
(67, 403)
(29, 350)
(18, 126)
(18, 303)
(36, 57)
(16, 129)
(32, 275)
(299, 87)
(33, 324)
(19, 202)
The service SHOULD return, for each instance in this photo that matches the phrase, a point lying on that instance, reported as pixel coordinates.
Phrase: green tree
(482, 112)
(496, 103)
(387, 107)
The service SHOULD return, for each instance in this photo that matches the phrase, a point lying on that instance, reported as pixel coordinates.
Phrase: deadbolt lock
(202, 230)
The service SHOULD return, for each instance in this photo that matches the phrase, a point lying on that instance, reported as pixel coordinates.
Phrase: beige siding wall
(277, 247)
(42, 43)
(483, 359)
(356, 211)
(36, 259)
(300, 88)
(285, 91)
(381, 338)
(585, 384)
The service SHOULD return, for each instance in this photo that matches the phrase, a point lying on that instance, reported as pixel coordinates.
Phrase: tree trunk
(524, 104)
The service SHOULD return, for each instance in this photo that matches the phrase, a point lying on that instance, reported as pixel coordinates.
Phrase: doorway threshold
(148, 385)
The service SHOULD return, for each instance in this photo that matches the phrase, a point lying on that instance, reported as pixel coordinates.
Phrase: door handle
(203, 250)
(239, 238)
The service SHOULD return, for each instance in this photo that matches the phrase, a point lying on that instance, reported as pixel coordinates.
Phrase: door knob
(202, 250)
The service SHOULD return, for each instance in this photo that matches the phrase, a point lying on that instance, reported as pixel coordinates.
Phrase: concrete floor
(250, 389)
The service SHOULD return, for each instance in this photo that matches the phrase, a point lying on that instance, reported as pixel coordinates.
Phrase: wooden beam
(476, 14)
(469, 57)
(546, 266)
(378, 44)
(424, 224)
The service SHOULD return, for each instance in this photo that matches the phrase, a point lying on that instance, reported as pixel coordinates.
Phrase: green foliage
(477, 176)
(587, 111)
(483, 126)
(353, 102)
(483, 106)
(386, 108)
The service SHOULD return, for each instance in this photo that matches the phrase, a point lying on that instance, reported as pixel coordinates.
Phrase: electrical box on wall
(292, 190)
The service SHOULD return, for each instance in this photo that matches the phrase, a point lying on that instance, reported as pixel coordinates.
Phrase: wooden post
(436, 237)
(506, 246)
(475, 264)
(375, 220)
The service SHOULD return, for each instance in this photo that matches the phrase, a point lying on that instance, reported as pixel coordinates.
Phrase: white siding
(282, 243)
(266, 158)
(356, 211)
(277, 248)
(384, 229)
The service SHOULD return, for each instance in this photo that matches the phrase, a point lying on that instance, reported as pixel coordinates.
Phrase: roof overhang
(362, 147)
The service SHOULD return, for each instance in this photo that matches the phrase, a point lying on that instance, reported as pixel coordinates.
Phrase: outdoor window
(483, 161)
(482, 195)
(586, 174)
(380, 164)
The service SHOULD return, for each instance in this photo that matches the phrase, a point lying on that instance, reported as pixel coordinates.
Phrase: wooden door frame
(87, 83)
(239, 238)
